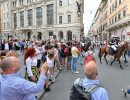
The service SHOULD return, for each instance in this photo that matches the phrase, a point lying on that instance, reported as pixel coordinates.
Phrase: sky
(90, 8)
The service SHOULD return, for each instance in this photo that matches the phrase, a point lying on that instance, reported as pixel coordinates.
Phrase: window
(4, 7)
(60, 19)
(29, 1)
(119, 2)
(110, 21)
(115, 4)
(7, 15)
(119, 16)
(112, 7)
(124, 12)
(7, 6)
(39, 16)
(14, 4)
(15, 20)
(22, 18)
(4, 16)
(4, 26)
(50, 14)
(60, 2)
(8, 25)
(110, 10)
(20, 2)
(30, 18)
(115, 18)
(69, 2)
(69, 18)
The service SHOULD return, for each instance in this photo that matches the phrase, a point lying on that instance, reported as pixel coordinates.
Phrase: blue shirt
(14, 87)
(99, 94)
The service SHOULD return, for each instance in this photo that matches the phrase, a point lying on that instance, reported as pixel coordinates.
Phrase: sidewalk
(40, 94)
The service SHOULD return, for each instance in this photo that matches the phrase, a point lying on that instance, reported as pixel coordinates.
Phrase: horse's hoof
(117, 62)
(126, 64)
(111, 64)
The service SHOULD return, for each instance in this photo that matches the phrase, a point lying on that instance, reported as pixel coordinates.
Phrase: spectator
(38, 55)
(80, 54)
(63, 55)
(69, 57)
(90, 55)
(57, 63)
(50, 69)
(13, 86)
(31, 65)
(91, 73)
(74, 52)
(6, 46)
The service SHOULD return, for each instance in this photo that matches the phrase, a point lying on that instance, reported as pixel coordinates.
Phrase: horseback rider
(112, 43)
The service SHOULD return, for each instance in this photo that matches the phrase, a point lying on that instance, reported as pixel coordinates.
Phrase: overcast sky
(89, 6)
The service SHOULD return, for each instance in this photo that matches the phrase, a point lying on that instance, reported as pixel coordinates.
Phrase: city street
(112, 78)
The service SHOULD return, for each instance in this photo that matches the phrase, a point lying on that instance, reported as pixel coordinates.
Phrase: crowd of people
(41, 59)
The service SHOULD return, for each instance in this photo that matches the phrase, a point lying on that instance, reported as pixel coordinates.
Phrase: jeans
(128, 91)
(80, 56)
(69, 59)
(74, 63)
(128, 53)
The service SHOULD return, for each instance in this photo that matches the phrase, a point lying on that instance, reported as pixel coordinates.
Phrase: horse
(86, 46)
(105, 50)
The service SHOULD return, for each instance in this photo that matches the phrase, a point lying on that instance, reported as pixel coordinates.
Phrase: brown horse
(86, 46)
(105, 50)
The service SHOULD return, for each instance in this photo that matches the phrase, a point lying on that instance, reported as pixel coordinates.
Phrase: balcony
(121, 22)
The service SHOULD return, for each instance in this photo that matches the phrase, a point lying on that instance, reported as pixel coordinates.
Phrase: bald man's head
(91, 70)
(7, 62)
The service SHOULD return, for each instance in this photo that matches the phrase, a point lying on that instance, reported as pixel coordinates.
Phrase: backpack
(66, 51)
(89, 57)
(80, 93)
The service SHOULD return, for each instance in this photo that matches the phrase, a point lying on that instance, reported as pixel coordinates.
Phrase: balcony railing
(120, 22)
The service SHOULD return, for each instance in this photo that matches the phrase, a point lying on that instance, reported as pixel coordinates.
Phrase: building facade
(112, 18)
(42, 19)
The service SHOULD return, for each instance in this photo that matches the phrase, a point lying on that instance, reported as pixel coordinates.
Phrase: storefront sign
(128, 33)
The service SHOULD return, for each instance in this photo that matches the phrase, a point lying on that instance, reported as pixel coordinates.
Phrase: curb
(40, 94)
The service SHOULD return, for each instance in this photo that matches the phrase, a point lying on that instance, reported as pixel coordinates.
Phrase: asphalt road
(112, 78)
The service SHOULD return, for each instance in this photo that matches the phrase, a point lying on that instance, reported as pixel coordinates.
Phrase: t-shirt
(50, 63)
(74, 52)
(90, 52)
(39, 56)
(6, 46)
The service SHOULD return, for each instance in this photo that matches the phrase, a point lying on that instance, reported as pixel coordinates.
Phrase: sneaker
(47, 89)
(124, 92)
(50, 79)
(76, 72)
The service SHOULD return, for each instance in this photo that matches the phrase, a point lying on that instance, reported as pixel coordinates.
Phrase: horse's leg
(120, 62)
(113, 61)
(105, 57)
(126, 62)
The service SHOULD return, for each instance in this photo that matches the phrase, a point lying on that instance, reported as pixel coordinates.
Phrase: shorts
(38, 63)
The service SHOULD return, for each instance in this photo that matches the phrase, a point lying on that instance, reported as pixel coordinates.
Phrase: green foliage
(99, 9)
(103, 1)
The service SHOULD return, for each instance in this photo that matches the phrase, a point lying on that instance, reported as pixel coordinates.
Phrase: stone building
(42, 19)
(112, 18)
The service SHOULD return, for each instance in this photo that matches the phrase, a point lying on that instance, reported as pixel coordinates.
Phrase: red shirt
(79, 50)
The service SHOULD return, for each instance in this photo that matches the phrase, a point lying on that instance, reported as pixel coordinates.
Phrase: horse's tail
(99, 54)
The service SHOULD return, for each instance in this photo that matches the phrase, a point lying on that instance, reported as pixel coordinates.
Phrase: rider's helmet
(113, 36)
